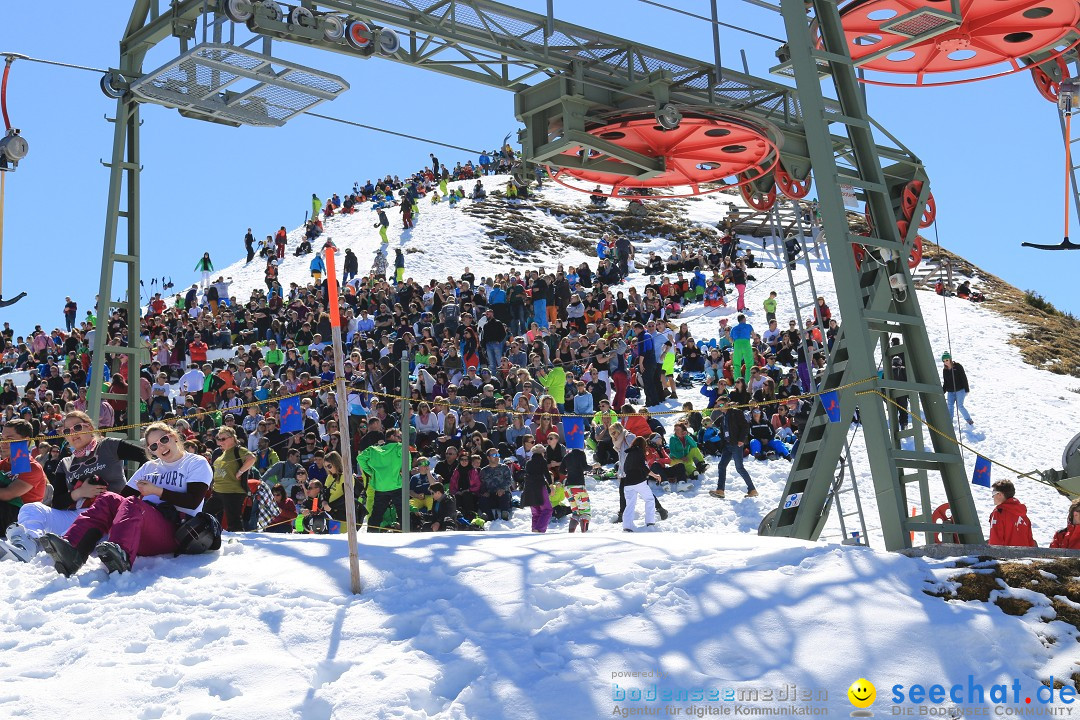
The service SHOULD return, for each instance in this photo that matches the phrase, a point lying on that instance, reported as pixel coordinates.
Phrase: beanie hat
(946, 356)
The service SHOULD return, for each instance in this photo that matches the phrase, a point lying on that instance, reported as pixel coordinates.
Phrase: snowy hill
(508, 624)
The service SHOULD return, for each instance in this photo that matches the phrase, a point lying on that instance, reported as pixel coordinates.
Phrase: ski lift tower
(600, 109)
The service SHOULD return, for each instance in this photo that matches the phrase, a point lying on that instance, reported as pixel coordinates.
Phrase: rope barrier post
(343, 419)
(406, 438)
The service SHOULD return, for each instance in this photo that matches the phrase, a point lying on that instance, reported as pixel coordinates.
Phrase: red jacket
(1009, 525)
(1068, 538)
(197, 350)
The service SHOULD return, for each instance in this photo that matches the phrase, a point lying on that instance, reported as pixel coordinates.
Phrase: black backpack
(198, 534)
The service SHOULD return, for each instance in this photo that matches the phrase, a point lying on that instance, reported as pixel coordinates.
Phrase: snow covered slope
(485, 625)
(505, 624)
(1022, 414)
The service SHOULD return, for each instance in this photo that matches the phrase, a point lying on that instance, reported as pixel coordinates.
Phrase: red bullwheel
(910, 198)
(702, 150)
(1048, 88)
(860, 254)
(915, 254)
(757, 199)
(991, 34)
(794, 189)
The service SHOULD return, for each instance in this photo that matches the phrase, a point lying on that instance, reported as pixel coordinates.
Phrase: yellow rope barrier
(939, 432)
(390, 396)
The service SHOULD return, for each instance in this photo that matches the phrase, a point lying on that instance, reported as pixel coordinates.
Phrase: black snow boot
(113, 557)
(66, 559)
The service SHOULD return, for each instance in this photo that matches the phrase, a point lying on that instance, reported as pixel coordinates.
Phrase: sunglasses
(76, 428)
(152, 447)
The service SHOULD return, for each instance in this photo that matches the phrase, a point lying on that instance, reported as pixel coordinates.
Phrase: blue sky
(993, 151)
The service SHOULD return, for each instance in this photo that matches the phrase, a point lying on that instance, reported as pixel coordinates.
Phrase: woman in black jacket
(635, 485)
(537, 489)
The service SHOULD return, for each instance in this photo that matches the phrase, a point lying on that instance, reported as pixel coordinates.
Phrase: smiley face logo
(862, 693)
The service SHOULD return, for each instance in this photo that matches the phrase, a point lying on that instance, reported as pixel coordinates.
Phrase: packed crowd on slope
(496, 364)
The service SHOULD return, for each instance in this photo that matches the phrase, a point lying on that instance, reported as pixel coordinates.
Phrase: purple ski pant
(131, 523)
(541, 514)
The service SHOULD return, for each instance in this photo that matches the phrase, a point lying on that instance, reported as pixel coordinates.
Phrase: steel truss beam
(123, 206)
(566, 77)
(876, 302)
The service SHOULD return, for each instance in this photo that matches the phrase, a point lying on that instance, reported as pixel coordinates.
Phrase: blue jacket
(317, 264)
(497, 296)
(742, 331)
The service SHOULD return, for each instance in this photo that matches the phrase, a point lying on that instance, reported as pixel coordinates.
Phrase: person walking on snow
(736, 433)
(742, 353)
(955, 384)
(205, 267)
(399, 266)
(406, 214)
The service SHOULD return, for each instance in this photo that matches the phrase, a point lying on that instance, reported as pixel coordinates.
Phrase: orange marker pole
(343, 417)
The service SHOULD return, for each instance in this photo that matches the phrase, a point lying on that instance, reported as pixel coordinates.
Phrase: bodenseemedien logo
(862, 695)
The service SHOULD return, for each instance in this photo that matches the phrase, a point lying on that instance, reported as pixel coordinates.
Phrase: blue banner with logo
(20, 457)
(291, 419)
(831, 402)
(981, 476)
(574, 432)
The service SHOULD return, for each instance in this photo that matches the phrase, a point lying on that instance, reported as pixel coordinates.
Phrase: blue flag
(831, 402)
(981, 476)
(574, 432)
(20, 457)
(291, 419)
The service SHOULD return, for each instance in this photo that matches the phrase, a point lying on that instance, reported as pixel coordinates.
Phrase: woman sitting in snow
(144, 517)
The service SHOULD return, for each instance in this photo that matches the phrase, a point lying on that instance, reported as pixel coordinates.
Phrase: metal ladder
(877, 300)
(844, 466)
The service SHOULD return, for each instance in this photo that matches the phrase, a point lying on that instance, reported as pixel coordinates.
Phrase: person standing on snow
(399, 266)
(205, 267)
(316, 205)
(71, 310)
(1009, 524)
(742, 358)
(318, 267)
(736, 433)
(249, 245)
(383, 224)
(955, 384)
(350, 267)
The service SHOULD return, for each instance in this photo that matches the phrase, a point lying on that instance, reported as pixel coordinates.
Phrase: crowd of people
(496, 364)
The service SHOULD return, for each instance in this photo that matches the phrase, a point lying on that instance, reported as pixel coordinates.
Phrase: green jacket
(598, 417)
(770, 304)
(554, 381)
(274, 357)
(680, 450)
(382, 465)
